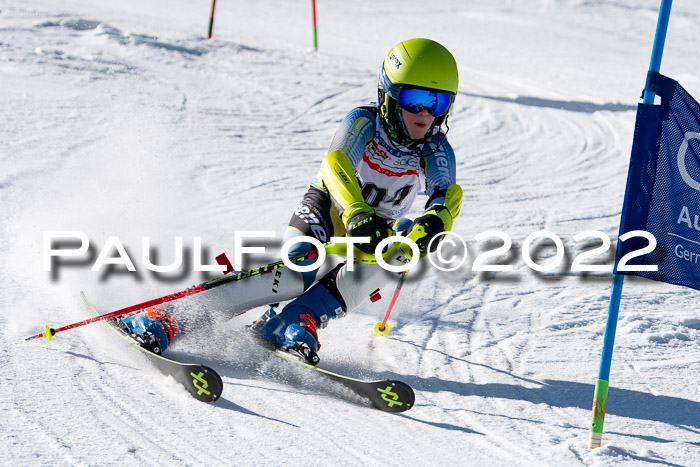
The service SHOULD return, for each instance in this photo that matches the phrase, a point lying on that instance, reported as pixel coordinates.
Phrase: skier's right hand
(367, 223)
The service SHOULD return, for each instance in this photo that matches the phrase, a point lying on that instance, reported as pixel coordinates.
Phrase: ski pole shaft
(123, 311)
(381, 328)
(394, 296)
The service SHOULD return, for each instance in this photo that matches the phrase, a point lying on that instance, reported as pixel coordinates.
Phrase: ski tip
(396, 397)
(206, 385)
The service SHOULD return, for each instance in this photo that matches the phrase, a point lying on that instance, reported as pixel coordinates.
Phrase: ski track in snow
(123, 121)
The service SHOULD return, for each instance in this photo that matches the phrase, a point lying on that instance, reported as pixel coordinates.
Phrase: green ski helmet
(416, 64)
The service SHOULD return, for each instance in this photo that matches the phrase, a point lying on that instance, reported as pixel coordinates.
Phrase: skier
(380, 157)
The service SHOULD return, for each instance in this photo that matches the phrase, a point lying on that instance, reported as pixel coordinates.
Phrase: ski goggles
(416, 99)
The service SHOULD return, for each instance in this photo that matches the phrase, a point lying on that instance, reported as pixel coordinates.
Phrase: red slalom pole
(381, 328)
(211, 19)
(313, 14)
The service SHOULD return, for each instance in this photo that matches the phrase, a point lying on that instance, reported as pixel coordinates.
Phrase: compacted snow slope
(120, 120)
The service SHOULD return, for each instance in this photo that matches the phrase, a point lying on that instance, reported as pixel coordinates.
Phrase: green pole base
(600, 402)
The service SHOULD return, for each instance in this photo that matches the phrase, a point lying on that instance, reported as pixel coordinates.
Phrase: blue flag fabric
(663, 187)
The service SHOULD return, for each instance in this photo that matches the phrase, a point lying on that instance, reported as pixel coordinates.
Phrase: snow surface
(120, 119)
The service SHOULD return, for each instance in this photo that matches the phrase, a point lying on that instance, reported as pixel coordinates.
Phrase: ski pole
(50, 332)
(381, 328)
(331, 248)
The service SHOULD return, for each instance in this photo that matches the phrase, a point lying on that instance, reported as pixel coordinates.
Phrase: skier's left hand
(433, 222)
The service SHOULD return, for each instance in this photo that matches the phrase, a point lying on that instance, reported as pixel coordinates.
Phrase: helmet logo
(395, 60)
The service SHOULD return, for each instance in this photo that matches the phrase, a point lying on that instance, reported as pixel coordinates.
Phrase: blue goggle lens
(414, 100)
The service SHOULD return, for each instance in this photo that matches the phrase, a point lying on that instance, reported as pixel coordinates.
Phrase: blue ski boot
(153, 328)
(295, 329)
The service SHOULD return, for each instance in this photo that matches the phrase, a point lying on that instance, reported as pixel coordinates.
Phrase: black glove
(427, 226)
(368, 224)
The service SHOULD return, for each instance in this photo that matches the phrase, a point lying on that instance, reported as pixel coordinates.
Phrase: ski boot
(260, 322)
(153, 328)
(295, 329)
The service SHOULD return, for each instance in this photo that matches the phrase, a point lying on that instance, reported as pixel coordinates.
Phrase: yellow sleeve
(453, 199)
(340, 180)
(453, 205)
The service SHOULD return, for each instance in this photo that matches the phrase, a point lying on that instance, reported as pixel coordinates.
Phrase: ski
(386, 395)
(203, 383)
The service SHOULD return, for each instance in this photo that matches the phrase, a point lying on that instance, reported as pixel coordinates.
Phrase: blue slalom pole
(600, 396)
(659, 42)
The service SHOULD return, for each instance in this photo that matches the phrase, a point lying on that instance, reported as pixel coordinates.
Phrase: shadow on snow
(571, 106)
(621, 402)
